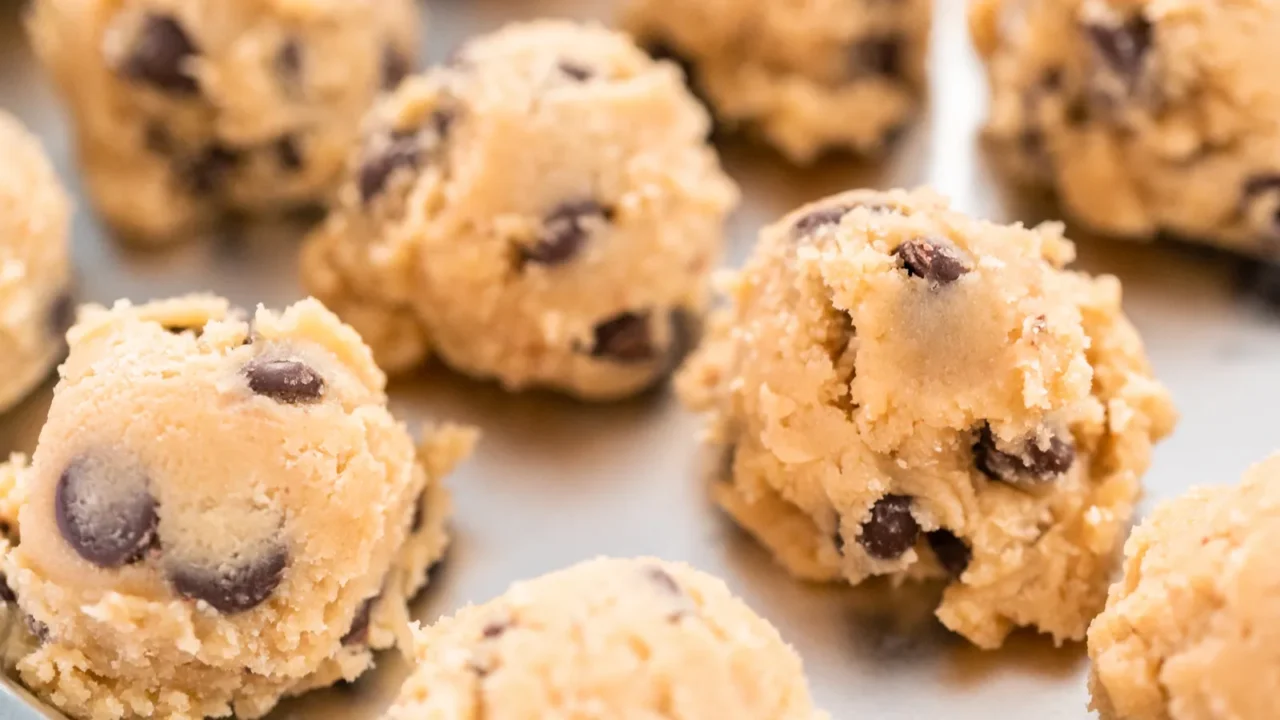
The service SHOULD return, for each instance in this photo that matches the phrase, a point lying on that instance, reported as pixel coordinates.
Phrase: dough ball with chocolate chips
(806, 76)
(899, 389)
(35, 219)
(543, 211)
(636, 638)
(186, 110)
(1192, 630)
(218, 513)
(1145, 117)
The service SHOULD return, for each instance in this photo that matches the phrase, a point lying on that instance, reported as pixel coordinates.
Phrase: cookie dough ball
(35, 217)
(607, 639)
(1192, 631)
(808, 77)
(1145, 117)
(543, 211)
(903, 390)
(217, 514)
(185, 110)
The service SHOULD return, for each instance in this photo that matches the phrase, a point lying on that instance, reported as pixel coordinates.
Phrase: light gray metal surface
(555, 481)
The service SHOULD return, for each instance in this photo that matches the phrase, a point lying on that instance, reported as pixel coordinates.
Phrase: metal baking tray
(556, 481)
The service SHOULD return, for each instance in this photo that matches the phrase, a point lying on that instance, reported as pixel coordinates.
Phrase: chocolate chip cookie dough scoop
(217, 514)
(903, 390)
(35, 218)
(185, 110)
(806, 76)
(543, 211)
(1144, 116)
(1192, 630)
(607, 639)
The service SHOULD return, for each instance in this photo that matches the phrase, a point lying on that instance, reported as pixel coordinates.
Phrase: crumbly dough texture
(1192, 631)
(35, 219)
(543, 210)
(904, 390)
(807, 77)
(636, 638)
(185, 110)
(1145, 116)
(217, 514)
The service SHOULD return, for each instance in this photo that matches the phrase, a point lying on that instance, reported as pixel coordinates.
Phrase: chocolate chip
(62, 313)
(289, 63)
(1032, 464)
(578, 72)
(288, 153)
(663, 580)
(36, 628)
(624, 338)
(1078, 112)
(880, 56)
(207, 171)
(161, 56)
(495, 629)
(105, 512)
(564, 230)
(396, 66)
(952, 552)
(6, 592)
(288, 381)
(402, 151)
(1122, 47)
(932, 260)
(231, 588)
(891, 530)
(359, 632)
(1051, 80)
(837, 539)
(820, 218)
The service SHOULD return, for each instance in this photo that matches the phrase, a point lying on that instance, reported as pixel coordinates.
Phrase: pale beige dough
(217, 514)
(984, 415)
(35, 219)
(1144, 116)
(604, 640)
(809, 76)
(186, 110)
(1192, 631)
(543, 211)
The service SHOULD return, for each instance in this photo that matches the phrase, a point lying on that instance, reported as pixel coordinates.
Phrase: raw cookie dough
(807, 76)
(607, 639)
(1192, 631)
(1145, 116)
(185, 110)
(543, 211)
(35, 217)
(903, 390)
(217, 514)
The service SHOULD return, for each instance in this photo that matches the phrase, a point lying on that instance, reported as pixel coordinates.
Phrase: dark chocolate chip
(495, 629)
(1032, 464)
(881, 56)
(402, 151)
(161, 56)
(663, 580)
(820, 218)
(891, 530)
(1122, 47)
(62, 313)
(932, 260)
(359, 632)
(230, 588)
(624, 338)
(1078, 112)
(205, 173)
(105, 513)
(952, 552)
(6, 592)
(283, 380)
(288, 153)
(396, 66)
(577, 71)
(564, 230)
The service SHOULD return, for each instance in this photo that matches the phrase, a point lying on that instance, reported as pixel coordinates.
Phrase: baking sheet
(555, 481)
